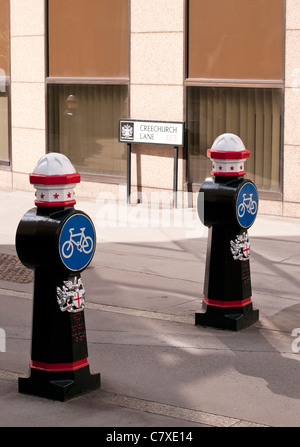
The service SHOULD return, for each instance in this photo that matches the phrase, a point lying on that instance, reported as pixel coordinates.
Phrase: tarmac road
(157, 368)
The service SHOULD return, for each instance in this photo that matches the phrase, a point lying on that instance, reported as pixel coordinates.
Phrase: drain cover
(11, 269)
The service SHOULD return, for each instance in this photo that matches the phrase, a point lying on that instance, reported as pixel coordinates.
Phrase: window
(235, 83)
(4, 82)
(84, 126)
(254, 114)
(88, 82)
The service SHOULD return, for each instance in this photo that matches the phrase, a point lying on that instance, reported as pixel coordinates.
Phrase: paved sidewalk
(143, 288)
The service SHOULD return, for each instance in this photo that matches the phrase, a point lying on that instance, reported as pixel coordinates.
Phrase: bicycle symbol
(83, 244)
(249, 204)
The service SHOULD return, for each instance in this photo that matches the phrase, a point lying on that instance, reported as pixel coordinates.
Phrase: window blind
(236, 39)
(88, 38)
(254, 114)
(83, 125)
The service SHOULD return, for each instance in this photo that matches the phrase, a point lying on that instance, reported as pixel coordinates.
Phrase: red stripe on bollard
(58, 367)
(224, 304)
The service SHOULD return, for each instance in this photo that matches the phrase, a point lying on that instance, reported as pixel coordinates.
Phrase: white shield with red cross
(71, 296)
(240, 247)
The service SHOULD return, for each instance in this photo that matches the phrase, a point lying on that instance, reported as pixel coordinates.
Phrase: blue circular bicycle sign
(77, 242)
(247, 205)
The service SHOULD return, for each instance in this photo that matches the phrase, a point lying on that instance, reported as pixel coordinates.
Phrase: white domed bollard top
(228, 155)
(54, 179)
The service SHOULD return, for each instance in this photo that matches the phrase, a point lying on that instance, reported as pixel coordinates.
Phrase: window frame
(6, 165)
(90, 177)
(248, 83)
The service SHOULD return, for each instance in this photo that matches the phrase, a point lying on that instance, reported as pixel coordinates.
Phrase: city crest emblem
(127, 131)
(240, 247)
(71, 296)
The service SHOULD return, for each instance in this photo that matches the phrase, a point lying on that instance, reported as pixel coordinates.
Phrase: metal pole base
(234, 319)
(60, 386)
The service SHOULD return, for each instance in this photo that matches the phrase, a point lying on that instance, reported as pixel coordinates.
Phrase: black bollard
(230, 208)
(58, 242)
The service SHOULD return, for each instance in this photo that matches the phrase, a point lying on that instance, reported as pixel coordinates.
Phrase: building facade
(70, 69)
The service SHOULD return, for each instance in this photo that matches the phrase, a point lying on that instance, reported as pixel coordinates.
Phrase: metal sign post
(175, 176)
(128, 172)
(152, 132)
